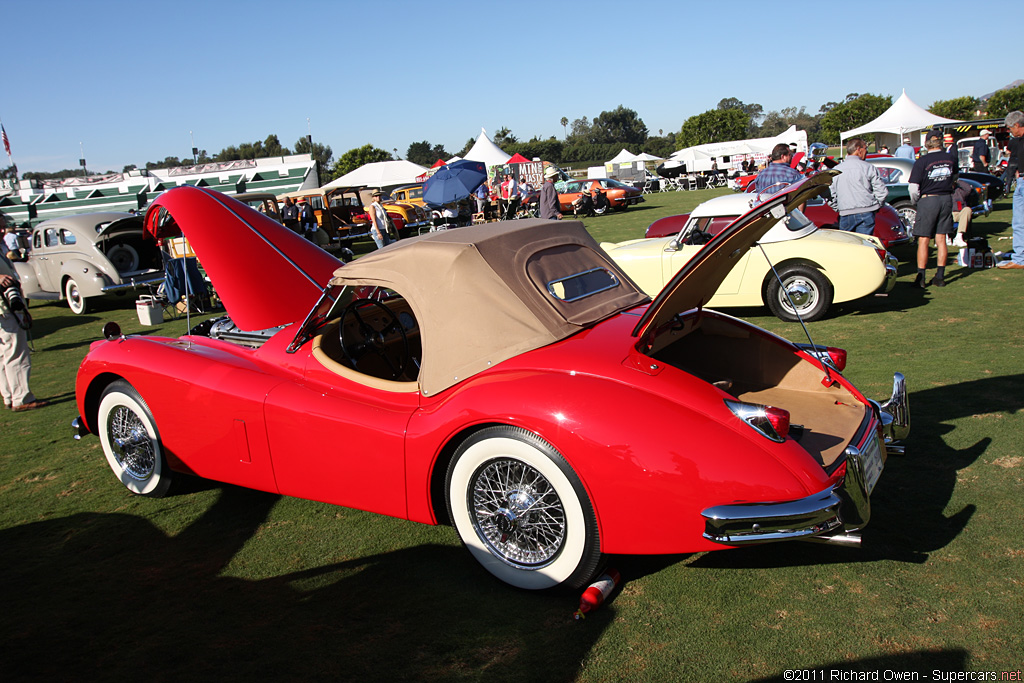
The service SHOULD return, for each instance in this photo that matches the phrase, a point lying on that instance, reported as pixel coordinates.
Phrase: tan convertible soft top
(486, 293)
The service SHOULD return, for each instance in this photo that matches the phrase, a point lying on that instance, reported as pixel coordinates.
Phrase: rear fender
(90, 277)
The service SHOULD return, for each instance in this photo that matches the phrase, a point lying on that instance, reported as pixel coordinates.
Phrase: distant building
(27, 202)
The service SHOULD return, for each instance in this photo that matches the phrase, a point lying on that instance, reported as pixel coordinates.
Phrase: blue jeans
(864, 223)
(382, 241)
(1017, 223)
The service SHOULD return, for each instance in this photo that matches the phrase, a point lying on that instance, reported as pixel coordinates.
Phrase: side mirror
(111, 331)
(674, 245)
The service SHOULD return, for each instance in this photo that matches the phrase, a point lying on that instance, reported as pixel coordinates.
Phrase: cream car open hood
(696, 282)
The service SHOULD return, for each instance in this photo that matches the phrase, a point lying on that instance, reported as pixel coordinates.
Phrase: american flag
(7, 143)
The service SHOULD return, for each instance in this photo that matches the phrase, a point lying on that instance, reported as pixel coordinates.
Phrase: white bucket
(150, 312)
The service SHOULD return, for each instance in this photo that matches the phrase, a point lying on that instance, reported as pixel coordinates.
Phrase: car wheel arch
(93, 394)
(782, 265)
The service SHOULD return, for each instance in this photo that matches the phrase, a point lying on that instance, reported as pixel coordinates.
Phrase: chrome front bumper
(833, 515)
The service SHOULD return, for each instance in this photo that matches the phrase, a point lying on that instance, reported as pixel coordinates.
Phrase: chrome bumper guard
(79, 428)
(891, 266)
(894, 415)
(833, 515)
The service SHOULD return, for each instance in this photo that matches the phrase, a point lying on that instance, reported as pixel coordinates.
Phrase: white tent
(644, 156)
(623, 157)
(486, 151)
(380, 174)
(904, 116)
(698, 157)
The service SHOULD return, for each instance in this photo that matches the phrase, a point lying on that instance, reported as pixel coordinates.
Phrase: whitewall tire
(131, 442)
(76, 302)
(521, 510)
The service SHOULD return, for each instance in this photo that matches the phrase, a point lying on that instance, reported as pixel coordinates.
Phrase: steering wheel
(374, 337)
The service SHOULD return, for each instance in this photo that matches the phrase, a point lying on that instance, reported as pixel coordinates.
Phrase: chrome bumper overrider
(891, 264)
(832, 515)
(79, 428)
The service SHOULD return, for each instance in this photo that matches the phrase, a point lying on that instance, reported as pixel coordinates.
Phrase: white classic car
(88, 255)
(816, 267)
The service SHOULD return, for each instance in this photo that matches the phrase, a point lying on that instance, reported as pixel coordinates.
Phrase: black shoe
(938, 282)
(919, 281)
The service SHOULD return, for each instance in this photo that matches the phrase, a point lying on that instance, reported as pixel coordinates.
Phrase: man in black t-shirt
(932, 181)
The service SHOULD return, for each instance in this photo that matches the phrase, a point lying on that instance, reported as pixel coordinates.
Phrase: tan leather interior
(756, 369)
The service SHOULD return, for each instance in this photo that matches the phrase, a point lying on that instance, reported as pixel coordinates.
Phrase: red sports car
(492, 377)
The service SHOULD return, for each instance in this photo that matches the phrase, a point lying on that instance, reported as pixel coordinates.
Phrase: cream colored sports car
(816, 268)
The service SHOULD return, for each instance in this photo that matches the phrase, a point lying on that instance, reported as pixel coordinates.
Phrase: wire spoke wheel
(521, 510)
(131, 442)
(517, 513)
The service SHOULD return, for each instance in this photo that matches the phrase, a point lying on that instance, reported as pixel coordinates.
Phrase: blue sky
(129, 80)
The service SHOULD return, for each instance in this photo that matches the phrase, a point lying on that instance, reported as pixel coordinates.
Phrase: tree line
(602, 137)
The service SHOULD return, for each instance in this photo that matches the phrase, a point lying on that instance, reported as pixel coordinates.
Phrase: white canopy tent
(903, 117)
(623, 157)
(486, 151)
(380, 174)
(698, 157)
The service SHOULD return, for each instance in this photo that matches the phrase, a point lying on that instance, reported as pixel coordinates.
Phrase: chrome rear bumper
(833, 515)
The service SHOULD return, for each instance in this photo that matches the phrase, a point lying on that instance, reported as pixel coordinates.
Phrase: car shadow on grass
(111, 596)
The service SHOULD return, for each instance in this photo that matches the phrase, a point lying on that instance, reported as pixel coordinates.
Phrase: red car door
(340, 442)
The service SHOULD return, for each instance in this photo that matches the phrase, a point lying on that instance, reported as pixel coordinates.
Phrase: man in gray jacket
(858, 192)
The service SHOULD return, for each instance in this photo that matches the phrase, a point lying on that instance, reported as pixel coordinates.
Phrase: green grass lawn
(220, 582)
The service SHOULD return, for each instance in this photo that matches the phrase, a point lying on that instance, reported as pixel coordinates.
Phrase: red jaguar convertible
(502, 378)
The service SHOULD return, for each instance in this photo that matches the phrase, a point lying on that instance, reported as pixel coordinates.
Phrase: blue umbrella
(454, 181)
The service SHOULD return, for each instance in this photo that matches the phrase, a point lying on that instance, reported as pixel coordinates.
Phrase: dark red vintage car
(495, 378)
(889, 227)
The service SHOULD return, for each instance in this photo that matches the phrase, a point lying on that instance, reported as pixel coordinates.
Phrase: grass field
(222, 583)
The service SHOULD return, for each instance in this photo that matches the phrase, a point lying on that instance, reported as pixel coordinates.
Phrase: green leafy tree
(850, 114)
(321, 153)
(963, 108)
(564, 122)
(660, 146)
(714, 125)
(753, 110)
(424, 154)
(360, 156)
(1004, 101)
(620, 126)
(503, 137)
(581, 132)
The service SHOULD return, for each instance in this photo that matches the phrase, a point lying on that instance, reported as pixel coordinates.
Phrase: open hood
(696, 282)
(265, 274)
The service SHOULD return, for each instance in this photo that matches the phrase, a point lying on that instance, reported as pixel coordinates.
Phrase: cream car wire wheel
(521, 511)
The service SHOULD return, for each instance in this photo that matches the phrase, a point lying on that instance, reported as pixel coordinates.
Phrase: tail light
(882, 253)
(838, 357)
(769, 421)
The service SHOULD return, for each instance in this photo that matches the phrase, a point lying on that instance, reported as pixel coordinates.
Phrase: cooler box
(150, 312)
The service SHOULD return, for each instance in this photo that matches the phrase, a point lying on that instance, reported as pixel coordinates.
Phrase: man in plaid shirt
(778, 171)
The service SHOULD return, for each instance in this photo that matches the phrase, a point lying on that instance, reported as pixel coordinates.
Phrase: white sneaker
(959, 240)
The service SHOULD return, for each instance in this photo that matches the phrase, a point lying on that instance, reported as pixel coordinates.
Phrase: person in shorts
(932, 181)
